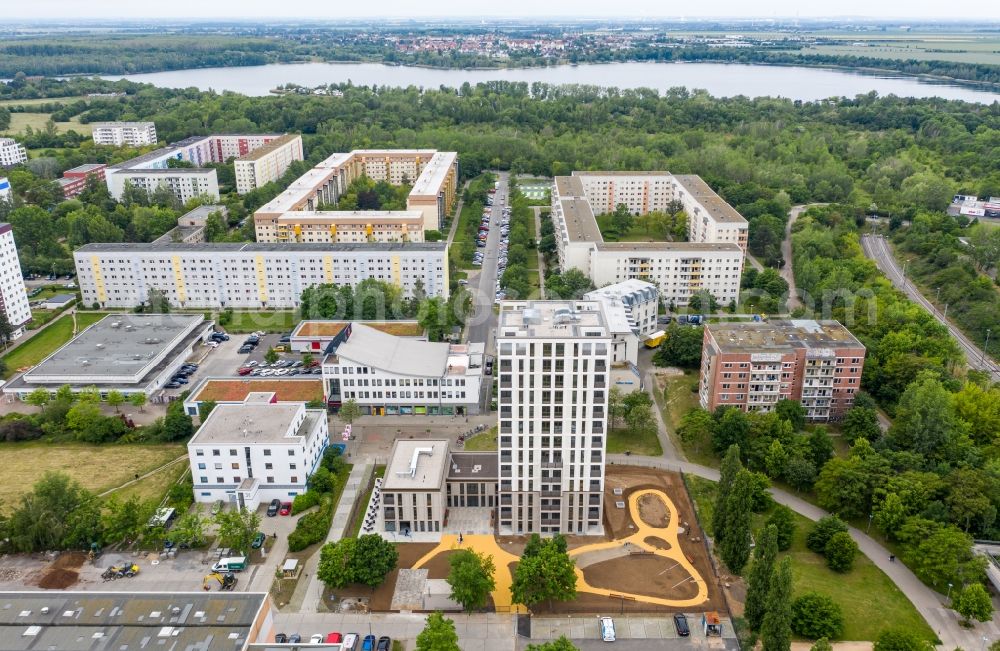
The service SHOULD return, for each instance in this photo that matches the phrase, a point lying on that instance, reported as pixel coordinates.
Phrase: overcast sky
(333, 9)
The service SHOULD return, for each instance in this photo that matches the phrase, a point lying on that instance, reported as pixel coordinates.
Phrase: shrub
(822, 531)
(304, 501)
(312, 527)
(816, 616)
(901, 639)
(784, 521)
(840, 552)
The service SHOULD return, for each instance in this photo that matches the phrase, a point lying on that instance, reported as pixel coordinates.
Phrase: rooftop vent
(116, 324)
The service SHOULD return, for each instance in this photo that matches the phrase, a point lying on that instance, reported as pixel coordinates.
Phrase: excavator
(226, 581)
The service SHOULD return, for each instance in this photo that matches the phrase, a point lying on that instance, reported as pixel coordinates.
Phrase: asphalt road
(876, 248)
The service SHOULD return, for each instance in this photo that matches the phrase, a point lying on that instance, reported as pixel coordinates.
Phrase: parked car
(607, 626)
(294, 637)
(316, 638)
(258, 540)
(244, 370)
(280, 638)
(286, 508)
(384, 644)
(172, 385)
(350, 642)
(334, 637)
(681, 624)
(272, 508)
(368, 644)
(245, 349)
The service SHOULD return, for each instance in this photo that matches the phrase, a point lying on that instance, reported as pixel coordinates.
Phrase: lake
(719, 79)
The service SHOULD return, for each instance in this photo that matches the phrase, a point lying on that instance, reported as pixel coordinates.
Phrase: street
(876, 248)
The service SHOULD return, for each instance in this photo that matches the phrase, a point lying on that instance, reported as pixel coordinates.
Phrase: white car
(607, 626)
(317, 638)
(251, 363)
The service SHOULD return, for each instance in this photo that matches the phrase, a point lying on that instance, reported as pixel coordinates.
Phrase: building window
(267, 452)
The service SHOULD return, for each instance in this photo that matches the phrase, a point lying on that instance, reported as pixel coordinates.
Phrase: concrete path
(930, 604)
(541, 258)
(309, 590)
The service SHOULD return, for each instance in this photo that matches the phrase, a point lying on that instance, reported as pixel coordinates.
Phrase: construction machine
(226, 581)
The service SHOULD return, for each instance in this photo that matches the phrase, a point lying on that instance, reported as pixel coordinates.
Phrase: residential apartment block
(350, 226)
(631, 308)
(754, 365)
(252, 276)
(679, 269)
(267, 163)
(391, 375)
(74, 181)
(554, 362)
(12, 153)
(251, 453)
(434, 176)
(153, 170)
(118, 134)
(13, 297)
(710, 219)
(5, 192)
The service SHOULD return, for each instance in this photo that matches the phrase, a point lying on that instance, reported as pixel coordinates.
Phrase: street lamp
(949, 591)
(870, 515)
(985, 346)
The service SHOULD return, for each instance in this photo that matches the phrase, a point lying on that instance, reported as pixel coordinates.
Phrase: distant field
(19, 121)
(97, 468)
(887, 51)
(44, 100)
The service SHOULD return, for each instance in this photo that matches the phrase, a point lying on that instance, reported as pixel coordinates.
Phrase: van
(607, 629)
(231, 564)
(350, 642)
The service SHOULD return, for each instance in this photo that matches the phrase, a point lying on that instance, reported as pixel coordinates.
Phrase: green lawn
(278, 321)
(675, 400)
(621, 441)
(41, 100)
(482, 442)
(363, 505)
(20, 121)
(48, 340)
(869, 600)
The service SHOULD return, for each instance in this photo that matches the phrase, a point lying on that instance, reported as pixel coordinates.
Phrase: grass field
(621, 441)
(42, 100)
(19, 121)
(48, 340)
(962, 48)
(675, 398)
(155, 486)
(97, 468)
(278, 321)
(482, 442)
(869, 600)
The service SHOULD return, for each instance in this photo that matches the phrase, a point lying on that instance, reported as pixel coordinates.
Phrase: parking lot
(495, 219)
(289, 364)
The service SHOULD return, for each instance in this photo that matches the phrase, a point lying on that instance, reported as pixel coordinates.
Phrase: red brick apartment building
(754, 365)
(74, 181)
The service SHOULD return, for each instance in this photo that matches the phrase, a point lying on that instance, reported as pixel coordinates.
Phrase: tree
(732, 427)
(973, 602)
(622, 219)
(271, 356)
(889, 514)
(776, 632)
(237, 528)
(791, 411)
(616, 406)
(349, 411)
(115, 399)
(157, 302)
(822, 531)
(374, 557)
(322, 480)
(177, 424)
(560, 644)
(125, 521)
(820, 446)
(438, 634)
(138, 400)
(682, 347)
(735, 546)
(783, 520)
(840, 552)
(335, 563)
(205, 408)
(39, 397)
(547, 573)
(759, 580)
(776, 459)
(731, 466)
(940, 554)
(471, 579)
(861, 422)
(901, 639)
(190, 529)
(817, 617)
(56, 514)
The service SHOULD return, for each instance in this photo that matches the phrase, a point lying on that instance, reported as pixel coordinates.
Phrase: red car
(244, 370)
(286, 508)
(334, 637)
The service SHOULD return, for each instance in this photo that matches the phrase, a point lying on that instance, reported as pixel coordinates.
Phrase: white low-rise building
(712, 262)
(250, 276)
(12, 153)
(389, 375)
(118, 134)
(631, 308)
(252, 453)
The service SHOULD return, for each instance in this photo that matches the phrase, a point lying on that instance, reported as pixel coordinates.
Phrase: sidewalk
(309, 590)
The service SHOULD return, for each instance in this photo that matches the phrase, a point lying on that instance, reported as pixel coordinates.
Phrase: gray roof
(255, 423)
(416, 465)
(101, 621)
(401, 355)
(474, 466)
(59, 298)
(706, 196)
(581, 225)
(277, 247)
(122, 348)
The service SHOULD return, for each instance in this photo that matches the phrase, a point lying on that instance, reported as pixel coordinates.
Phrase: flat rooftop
(120, 348)
(561, 319)
(632, 290)
(85, 168)
(255, 247)
(433, 175)
(474, 466)
(779, 335)
(266, 149)
(701, 247)
(358, 216)
(569, 186)
(620, 173)
(101, 621)
(254, 422)
(334, 328)
(166, 171)
(416, 465)
(716, 206)
(285, 389)
(202, 212)
(110, 125)
(581, 225)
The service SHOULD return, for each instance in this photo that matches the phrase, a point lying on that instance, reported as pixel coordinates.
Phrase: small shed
(290, 568)
(711, 624)
(57, 302)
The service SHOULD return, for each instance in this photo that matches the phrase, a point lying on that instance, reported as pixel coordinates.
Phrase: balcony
(550, 493)
(549, 465)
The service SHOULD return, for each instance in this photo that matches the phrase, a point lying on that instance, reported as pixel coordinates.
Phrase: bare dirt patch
(62, 572)
(653, 511)
(380, 599)
(643, 574)
(657, 542)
